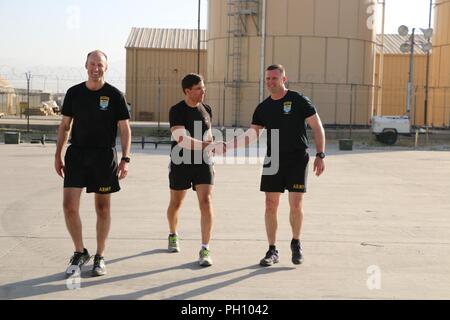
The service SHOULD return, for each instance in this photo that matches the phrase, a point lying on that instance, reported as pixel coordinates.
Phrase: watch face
(321, 155)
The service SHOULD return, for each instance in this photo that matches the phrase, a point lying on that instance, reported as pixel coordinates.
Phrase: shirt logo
(287, 106)
(104, 103)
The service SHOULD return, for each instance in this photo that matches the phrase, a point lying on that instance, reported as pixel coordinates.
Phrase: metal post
(263, 52)
(351, 108)
(416, 141)
(381, 65)
(411, 74)
(224, 101)
(427, 75)
(28, 74)
(159, 104)
(198, 40)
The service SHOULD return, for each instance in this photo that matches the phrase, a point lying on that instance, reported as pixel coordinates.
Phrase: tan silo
(439, 111)
(327, 47)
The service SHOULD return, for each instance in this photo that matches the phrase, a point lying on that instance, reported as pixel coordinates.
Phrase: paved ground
(376, 227)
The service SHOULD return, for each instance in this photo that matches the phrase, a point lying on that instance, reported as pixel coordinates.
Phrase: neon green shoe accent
(174, 244)
(205, 258)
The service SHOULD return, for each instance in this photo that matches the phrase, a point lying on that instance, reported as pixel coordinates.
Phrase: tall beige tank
(327, 47)
(439, 111)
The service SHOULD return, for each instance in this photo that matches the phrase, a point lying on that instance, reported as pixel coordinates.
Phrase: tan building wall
(439, 111)
(395, 79)
(154, 80)
(329, 54)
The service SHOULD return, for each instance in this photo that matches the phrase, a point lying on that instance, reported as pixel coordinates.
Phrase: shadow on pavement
(43, 285)
(257, 270)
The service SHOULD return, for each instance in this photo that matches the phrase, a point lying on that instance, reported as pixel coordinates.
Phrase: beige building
(439, 111)
(156, 61)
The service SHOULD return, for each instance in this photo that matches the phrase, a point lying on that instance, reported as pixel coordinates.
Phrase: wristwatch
(126, 159)
(321, 155)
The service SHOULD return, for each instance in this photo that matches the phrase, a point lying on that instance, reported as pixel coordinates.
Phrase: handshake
(218, 147)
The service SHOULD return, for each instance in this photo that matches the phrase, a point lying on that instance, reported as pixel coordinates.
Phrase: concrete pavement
(376, 227)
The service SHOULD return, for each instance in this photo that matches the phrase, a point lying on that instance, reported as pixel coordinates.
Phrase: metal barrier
(43, 139)
(150, 140)
(154, 140)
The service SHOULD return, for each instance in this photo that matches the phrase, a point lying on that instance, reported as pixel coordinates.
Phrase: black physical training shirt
(95, 115)
(196, 121)
(288, 115)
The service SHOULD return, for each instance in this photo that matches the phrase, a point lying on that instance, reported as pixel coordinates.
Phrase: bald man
(92, 112)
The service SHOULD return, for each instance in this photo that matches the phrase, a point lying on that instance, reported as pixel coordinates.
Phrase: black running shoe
(297, 256)
(77, 261)
(99, 268)
(270, 258)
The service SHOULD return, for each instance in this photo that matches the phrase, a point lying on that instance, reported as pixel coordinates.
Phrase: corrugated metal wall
(439, 112)
(154, 80)
(395, 79)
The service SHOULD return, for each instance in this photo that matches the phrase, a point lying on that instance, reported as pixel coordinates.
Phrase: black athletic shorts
(291, 175)
(92, 168)
(185, 176)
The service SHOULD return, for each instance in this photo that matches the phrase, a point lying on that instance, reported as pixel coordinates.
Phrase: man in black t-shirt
(284, 115)
(190, 162)
(92, 112)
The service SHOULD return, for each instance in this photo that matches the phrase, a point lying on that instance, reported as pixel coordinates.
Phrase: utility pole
(408, 46)
(198, 39)
(411, 73)
(28, 74)
(427, 76)
(379, 106)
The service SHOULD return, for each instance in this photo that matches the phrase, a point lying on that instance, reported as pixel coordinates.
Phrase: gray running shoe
(204, 258)
(271, 258)
(76, 262)
(174, 243)
(99, 268)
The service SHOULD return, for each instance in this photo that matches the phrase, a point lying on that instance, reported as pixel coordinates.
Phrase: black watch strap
(321, 155)
(126, 159)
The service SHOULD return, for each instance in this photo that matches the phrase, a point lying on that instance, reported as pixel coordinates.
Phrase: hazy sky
(50, 37)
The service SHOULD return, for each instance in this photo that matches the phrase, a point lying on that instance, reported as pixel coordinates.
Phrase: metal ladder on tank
(238, 13)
